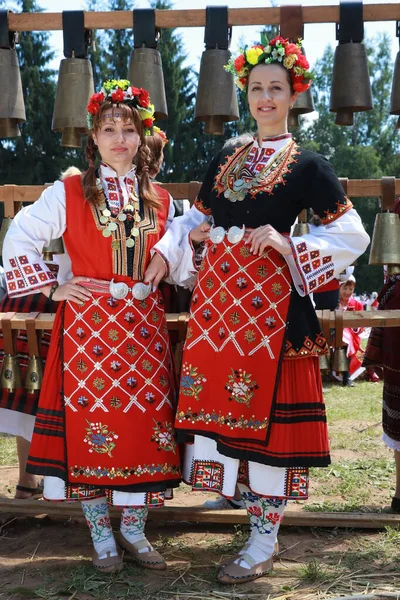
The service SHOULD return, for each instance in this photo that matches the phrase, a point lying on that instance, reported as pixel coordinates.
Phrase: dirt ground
(49, 558)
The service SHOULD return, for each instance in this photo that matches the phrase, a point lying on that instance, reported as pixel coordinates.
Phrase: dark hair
(155, 144)
(147, 192)
(276, 62)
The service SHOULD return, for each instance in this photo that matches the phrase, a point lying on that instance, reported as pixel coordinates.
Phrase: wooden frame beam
(360, 318)
(292, 518)
(168, 19)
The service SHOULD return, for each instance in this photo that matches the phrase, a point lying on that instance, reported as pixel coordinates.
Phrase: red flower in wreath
(135, 91)
(298, 84)
(93, 108)
(97, 97)
(278, 40)
(302, 62)
(147, 123)
(240, 62)
(118, 96)
(144, 98)
(292, 49)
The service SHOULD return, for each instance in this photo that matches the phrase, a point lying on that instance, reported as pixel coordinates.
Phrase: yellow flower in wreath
(252, 55)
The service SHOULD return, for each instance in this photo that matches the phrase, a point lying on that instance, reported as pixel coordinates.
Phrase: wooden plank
(380, 318)
(201, 515)
(196, 17)
(357, 188)
(365, 318)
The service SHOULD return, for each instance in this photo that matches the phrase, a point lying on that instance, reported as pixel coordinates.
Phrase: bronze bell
(34, 374)
(300, 229)
(351, 89)
(12, 108)
(55, 247)
(10, 377)
(145, 71)
(216, 101)
(304, 104)
(340, 363)
(5, 226)
(74, 89)
(324, 362)
(385, 245)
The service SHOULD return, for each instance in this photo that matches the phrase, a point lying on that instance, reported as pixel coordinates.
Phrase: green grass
(356, 480)
(8, 450)
(363, 403)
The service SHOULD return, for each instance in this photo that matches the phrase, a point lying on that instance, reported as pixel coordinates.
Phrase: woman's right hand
(71, 291)
(200, 234)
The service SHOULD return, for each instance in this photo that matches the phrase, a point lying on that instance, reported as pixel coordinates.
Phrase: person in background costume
(383, 350)
(18, 408)
(351, 336)
(250, 406)
(104, 425)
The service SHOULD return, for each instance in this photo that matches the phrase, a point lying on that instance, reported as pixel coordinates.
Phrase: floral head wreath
(278, 50)
(120, 91)
(162, 134)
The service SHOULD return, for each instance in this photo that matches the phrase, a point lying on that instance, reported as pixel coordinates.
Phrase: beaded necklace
(110, 220)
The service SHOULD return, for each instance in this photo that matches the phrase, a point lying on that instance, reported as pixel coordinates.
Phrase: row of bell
(216, 101)
(11, 379)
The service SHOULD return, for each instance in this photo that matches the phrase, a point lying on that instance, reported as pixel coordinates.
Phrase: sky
(316, 36)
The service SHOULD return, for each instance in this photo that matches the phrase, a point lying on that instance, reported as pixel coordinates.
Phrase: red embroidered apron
(106, 417)
(237, 321)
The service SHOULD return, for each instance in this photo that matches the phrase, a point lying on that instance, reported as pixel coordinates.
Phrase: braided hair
(146, 190)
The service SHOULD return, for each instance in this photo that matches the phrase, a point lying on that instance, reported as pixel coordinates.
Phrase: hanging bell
(74, 88)
(324, 362)
(385, 245)
(351, 88)
(145, 71)
(304, 104)
(5, 226)
(10, 377)
(216, 100)
(34, 375)
(145, 63)
(55, 247)
(340, 363)
(300, 229)
(12, 109)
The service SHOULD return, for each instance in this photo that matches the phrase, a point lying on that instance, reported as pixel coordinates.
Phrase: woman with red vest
(104, 426)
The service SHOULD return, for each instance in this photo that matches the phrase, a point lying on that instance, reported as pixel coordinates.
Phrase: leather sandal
(149, 560)
(234, 573)
(109, 564)
(33, 493)
(231, 559)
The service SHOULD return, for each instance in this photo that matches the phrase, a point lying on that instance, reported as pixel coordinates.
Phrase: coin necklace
(130, 211)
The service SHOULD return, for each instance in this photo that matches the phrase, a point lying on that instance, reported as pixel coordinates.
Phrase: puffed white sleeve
(32, 228)
(323, 253)
(177, 250)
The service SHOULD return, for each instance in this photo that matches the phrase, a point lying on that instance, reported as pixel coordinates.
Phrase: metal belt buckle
(140, 291)
(118, 290)
(235, 234)
(217, 234)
